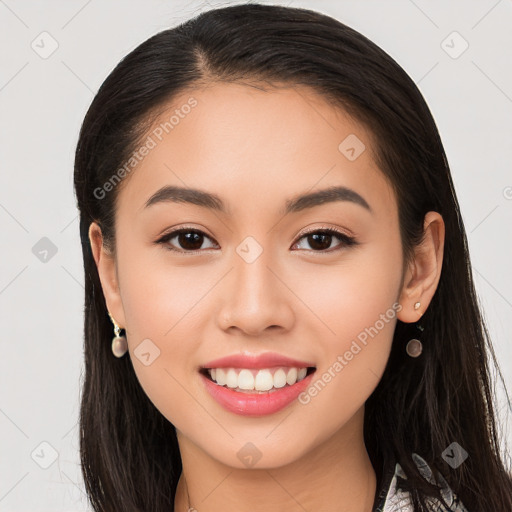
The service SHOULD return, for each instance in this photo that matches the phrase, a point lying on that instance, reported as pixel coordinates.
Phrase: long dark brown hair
(129, 452)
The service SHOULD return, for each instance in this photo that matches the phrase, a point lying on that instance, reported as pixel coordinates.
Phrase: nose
(254, 297)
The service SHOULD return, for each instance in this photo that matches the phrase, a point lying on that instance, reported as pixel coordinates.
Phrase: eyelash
(347, 241)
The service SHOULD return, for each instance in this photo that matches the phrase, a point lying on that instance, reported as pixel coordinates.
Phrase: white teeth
(220, 376)
(279, 378)
(231, 379)
(291, 378)
(263, 381)
(259, 380)
(245, 380)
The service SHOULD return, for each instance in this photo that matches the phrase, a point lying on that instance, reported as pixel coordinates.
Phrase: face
(251, 277)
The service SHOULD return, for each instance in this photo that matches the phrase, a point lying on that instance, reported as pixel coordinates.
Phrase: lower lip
(256, 404)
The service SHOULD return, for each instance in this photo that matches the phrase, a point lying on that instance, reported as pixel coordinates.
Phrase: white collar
(398, 500)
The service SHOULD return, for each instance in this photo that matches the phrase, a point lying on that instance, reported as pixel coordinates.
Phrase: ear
(423, 272)
(107, 271)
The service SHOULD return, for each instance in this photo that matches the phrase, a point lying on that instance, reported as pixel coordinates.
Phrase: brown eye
(190, 240)
(321, 240)
(187, 240)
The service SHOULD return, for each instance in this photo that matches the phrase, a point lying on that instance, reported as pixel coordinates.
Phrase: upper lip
(263, 360)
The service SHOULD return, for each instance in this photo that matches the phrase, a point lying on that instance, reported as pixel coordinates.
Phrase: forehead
(253, 146)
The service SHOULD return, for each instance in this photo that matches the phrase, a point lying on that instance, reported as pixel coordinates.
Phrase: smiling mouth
(266, 389)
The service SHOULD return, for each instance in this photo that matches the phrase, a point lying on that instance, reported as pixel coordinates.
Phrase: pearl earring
(119, 343)
(414, 347)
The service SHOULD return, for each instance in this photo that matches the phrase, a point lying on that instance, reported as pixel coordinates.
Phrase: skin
(256, 149)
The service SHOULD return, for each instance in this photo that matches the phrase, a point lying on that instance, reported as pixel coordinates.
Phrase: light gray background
(42, 104)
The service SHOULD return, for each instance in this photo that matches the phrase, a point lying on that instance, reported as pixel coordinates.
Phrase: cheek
(353, 295)
(160, 308)
(158, 294)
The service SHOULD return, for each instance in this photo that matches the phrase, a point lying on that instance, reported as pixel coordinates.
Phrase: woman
(267, 211)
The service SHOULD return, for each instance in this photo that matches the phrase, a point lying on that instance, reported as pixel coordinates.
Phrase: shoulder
(393, 499)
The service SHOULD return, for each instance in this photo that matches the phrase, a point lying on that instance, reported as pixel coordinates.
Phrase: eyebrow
(176, 194)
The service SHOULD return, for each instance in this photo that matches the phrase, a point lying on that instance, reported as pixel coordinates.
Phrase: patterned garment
(391, 499)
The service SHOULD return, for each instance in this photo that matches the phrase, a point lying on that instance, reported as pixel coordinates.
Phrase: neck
(334, 476)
